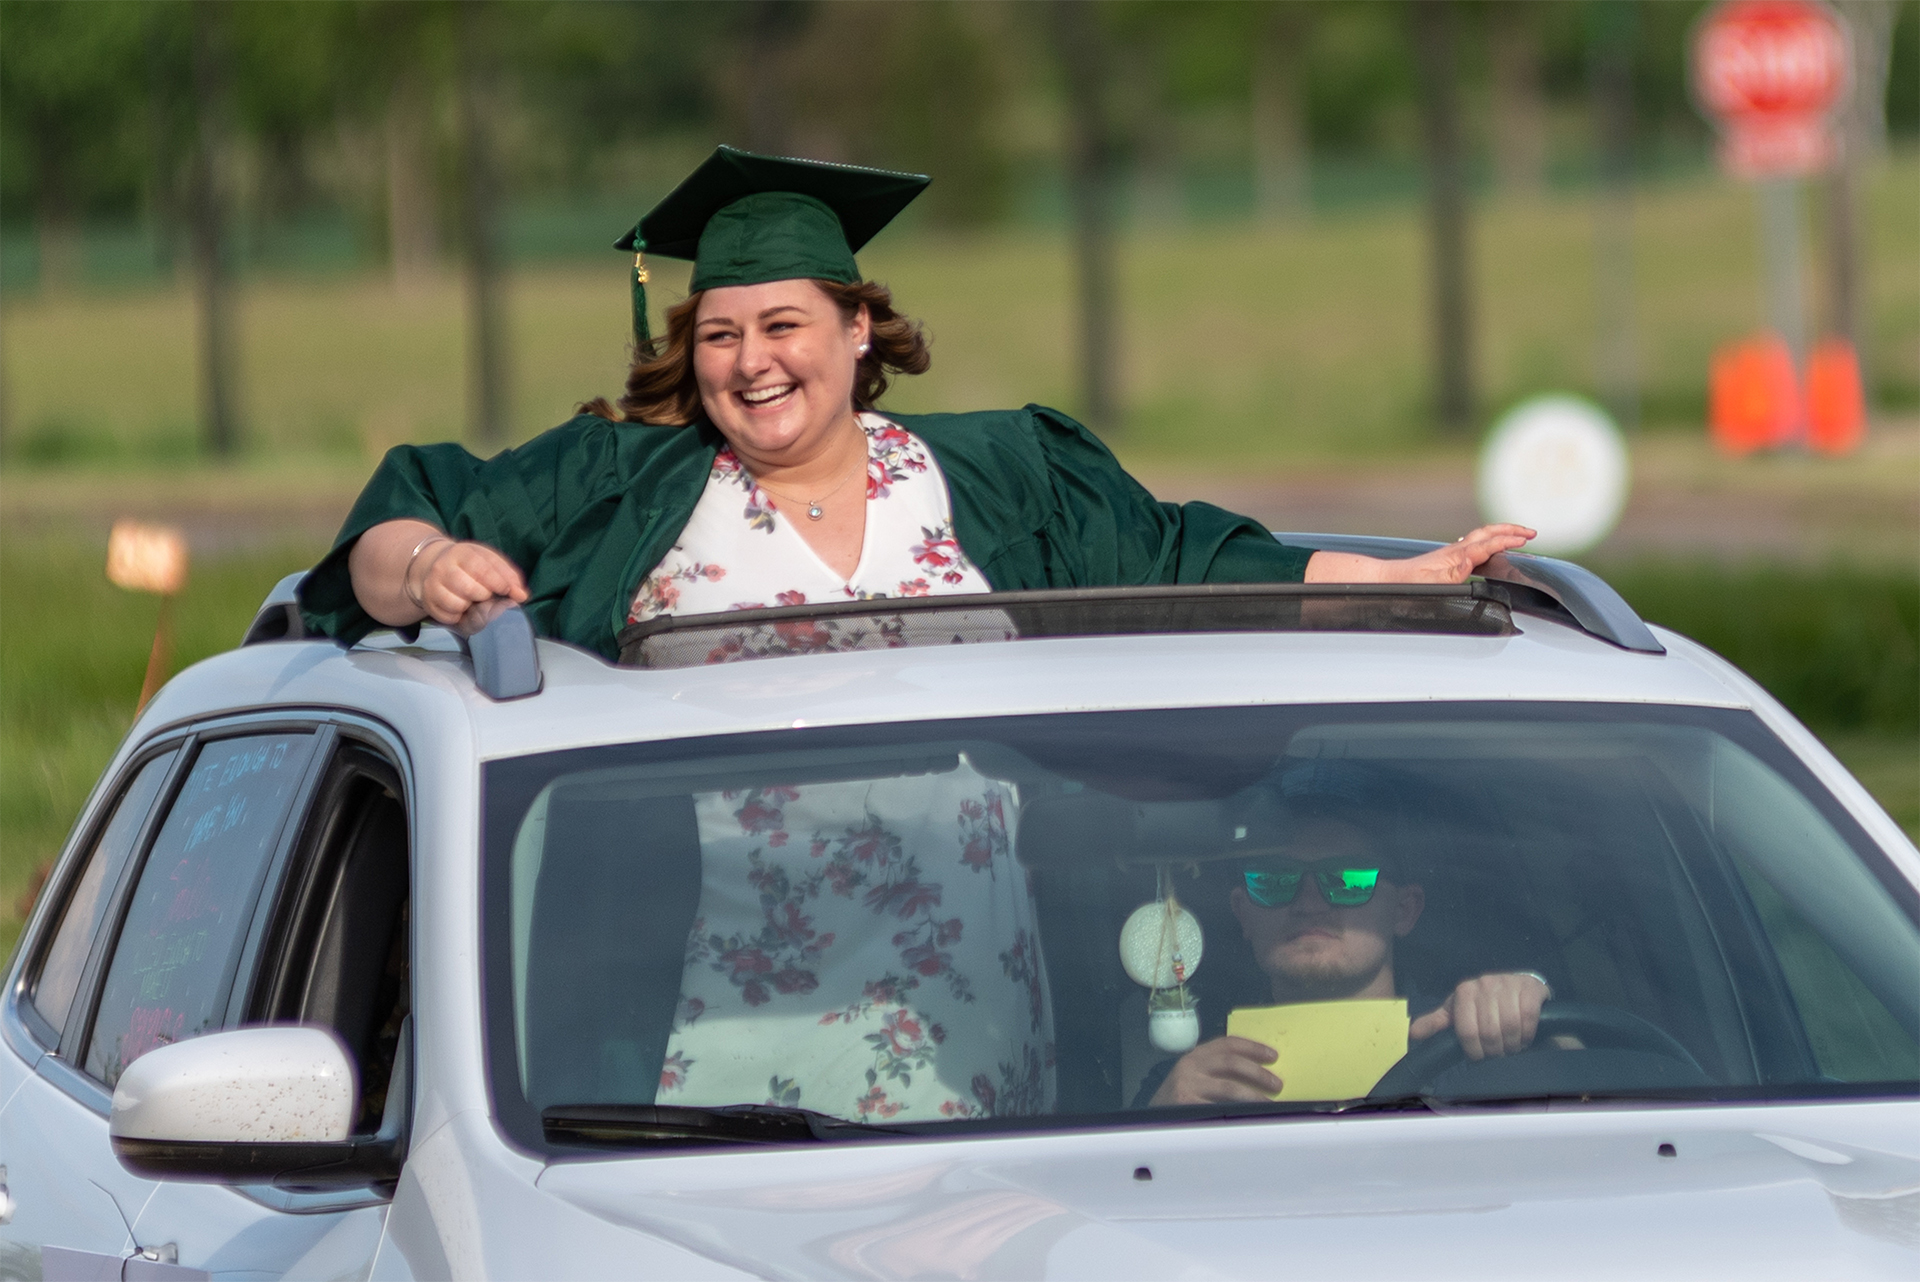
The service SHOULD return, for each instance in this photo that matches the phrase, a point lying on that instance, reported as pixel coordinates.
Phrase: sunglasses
(1275, 886)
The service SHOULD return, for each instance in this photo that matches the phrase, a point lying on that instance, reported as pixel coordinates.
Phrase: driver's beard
(1325, 978)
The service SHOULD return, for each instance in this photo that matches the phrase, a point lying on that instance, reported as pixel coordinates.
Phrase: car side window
(338, 952)
(58, 977)
(189, 913)
(1852, 1034)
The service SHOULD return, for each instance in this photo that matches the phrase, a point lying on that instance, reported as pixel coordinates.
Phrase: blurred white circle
(1558, 465)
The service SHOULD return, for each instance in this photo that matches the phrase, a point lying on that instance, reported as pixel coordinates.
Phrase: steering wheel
(1591, 1023)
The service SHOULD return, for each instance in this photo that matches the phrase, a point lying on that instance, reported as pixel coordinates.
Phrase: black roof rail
(496, 635)
(278, 618)
(1590, 599)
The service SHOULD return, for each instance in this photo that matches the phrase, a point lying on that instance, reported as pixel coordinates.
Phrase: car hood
(1812, 1191)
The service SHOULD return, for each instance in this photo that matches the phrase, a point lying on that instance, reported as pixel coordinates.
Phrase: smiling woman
(756, 410)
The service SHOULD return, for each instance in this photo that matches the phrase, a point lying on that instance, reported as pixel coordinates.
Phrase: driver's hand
(1492, 1015)
(1224, 1070)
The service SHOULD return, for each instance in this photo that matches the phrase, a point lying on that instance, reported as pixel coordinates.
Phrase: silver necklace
(814, 510)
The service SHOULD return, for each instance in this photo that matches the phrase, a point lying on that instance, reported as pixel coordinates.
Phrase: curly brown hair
(661, 386)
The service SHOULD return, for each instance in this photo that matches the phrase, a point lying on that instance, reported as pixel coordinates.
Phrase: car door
(332, 947)
(63, 1196)
(191, 913)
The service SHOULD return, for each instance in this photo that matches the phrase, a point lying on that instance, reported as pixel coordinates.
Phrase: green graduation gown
(587, 509)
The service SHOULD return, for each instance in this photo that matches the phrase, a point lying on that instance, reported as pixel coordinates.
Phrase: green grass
(1838, 647)
(1889, 766)
(1240, 343)
(73, 650)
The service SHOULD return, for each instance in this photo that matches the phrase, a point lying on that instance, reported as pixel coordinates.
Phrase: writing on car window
(188, 916)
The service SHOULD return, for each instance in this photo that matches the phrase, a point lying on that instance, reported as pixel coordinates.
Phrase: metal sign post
(1770, 74)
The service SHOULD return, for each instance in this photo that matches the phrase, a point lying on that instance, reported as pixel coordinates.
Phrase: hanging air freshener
(1160, 948)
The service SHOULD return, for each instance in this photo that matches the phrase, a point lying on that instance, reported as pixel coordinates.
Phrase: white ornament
(1558, 465)
(1176, 1031)
(1160, 945)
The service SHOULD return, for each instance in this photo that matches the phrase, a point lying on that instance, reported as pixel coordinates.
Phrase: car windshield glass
(1026, 921)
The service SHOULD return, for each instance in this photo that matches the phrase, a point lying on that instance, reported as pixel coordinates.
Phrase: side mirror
(271, 1105)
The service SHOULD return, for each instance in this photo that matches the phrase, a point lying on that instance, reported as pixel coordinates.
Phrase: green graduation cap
(745, 219)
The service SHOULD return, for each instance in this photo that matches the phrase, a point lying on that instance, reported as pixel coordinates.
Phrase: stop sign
(1769, 72)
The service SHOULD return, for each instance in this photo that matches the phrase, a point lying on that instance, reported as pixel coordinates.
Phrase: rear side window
(189, 913)
(59, 975)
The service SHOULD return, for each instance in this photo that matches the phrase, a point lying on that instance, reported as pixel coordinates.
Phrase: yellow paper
(1328, 1050)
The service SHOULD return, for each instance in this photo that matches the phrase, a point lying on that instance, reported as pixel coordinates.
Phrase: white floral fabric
(867, 949)
(739, 552)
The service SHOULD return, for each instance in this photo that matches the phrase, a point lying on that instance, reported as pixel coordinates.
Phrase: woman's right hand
(407, 571)
(458, 576)
(1224, 1070)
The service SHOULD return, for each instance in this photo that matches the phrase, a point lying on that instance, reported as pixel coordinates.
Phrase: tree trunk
(1090, 181)
(1159, 195)
(212, 283)
(486, 337)
(1610, 86)
(1434, 22)
(1280, 153)
(56, 231)
(6, 397)
(413, 229)
(772, 27)
(1519, 102)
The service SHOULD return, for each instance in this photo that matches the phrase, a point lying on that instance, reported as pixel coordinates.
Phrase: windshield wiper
(627, 1125)
(1385, 1104)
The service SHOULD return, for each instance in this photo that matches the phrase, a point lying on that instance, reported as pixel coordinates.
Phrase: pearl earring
(863, 349)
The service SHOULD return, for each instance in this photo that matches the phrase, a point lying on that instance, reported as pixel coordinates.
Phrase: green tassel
(642, 335)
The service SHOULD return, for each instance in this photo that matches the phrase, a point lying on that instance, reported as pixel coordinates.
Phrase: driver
(1321, 915)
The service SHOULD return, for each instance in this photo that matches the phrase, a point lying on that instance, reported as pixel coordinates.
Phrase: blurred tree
(939, 94)
(1519, 106)
(398, 89)
(1361, 80)
(286, 64)
(70, 117)
(477, 75)
(773, 27)
(1280, 148)
(413, 217)
(1903, 72)
(208, 195)
(1082, 45)
(1610, 73)
(1434, 23)
(1862, 129)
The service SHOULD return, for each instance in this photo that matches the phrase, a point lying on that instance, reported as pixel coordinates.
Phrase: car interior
(1679, 959)
(340, 933)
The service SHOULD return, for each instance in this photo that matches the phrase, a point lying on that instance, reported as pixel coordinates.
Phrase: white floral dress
(867, 948)
(738, 551)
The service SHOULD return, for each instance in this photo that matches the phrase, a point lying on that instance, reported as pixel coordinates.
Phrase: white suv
(425, 958)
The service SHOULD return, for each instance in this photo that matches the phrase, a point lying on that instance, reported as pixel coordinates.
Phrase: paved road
(1686, 501)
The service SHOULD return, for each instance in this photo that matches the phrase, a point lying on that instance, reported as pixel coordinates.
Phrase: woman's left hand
(1450, 564)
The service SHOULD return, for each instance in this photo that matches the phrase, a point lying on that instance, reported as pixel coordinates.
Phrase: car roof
(584, 700)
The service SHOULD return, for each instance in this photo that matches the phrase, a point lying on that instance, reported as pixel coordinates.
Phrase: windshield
(1019, 922)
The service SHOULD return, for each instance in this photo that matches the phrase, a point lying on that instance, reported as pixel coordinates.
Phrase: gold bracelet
(406, 575)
